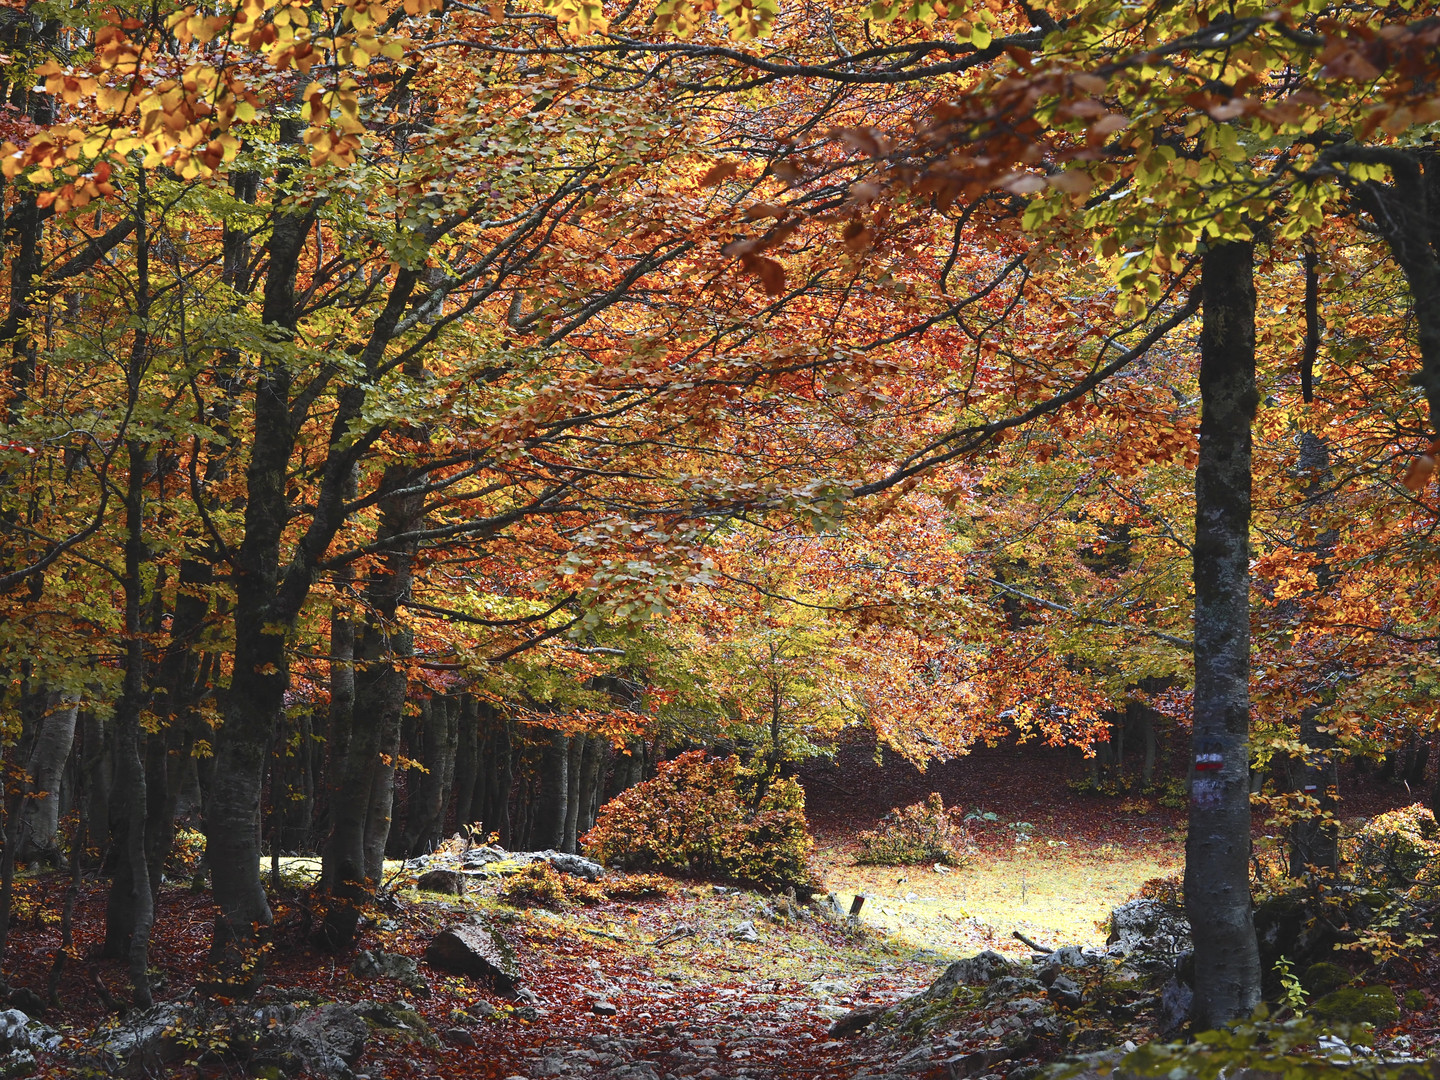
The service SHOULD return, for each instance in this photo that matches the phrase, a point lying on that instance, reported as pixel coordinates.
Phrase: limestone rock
(972, 971)
(447, 882)
(477, 950)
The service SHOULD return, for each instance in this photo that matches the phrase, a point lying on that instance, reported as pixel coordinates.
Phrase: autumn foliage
(922, 833)
(700, 816)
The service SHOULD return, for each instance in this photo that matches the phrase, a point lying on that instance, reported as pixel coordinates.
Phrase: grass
(1048, 892)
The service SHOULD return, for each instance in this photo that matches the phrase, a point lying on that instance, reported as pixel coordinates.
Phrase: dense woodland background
(433, 416)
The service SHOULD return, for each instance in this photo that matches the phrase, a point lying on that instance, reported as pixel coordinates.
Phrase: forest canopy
(434, 415)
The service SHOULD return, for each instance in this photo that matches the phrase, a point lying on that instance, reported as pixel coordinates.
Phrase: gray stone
(475, 949)
(603, 1008)
(1065, 992)
(460, 1037)
(856, 1020)
(575, 865)
(745, 932)
(448, 882)
(1175, 1001)
(326, 1041)
(972, 971)
(385, 965)
(1150, 928)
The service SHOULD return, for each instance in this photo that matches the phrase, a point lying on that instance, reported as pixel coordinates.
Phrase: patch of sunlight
(1053, 899)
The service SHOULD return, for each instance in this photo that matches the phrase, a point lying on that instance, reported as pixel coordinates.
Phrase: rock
(1065, 992)
(1149, 928)
(1321, 979)
(460, 1037)
(574, 865)
(525, 994)
(1358, 1005)
(18, 1031)
(27, 1001)
(1176, 999)
(448, 882)
(481, 1010)
(1068, 956)
(603, 1008)
(477, 950)
(941, 868)
(384, 965)
(745, 932)
(484, 855)
(972, 971)
(856, 1020)
(326, 1041)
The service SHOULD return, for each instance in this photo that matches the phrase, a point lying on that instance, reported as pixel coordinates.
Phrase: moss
(1323, 978)
(1358, 1005)
(1415, 1000)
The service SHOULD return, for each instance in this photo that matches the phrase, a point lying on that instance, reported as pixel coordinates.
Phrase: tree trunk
(40, 815)
(255, 700)
(551, 806)
(590, 777)
(1217, 853)
(467, 762)
(572, 794)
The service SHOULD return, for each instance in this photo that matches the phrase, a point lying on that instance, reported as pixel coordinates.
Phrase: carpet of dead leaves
(691, 998)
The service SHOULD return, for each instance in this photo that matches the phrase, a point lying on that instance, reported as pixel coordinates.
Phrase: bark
(590, 777)
(573, 791)
(39, 829)
(253, 704)
(1313, 841)
(1217, 883)
(550, 804)
(467, 761)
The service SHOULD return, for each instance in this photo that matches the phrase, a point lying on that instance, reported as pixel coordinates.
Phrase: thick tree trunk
(40, 815)
(590, 777)
(255, 700)
(551, 806)
(1217, 854)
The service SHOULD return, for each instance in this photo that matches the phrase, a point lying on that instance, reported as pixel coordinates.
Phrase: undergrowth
(922, 833)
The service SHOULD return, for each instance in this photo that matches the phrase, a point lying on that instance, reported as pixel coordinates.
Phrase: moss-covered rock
(1358, 1005)
(1323, 978)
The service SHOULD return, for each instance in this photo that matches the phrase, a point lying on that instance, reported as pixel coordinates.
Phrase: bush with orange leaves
(700, 817)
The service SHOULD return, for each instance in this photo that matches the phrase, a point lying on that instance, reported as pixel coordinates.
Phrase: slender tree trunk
(467, 761)
(1217, 853)
(573, 791)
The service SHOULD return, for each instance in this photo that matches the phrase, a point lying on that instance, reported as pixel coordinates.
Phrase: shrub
(1168, 891)
(186, 852)
(1395, 849)
(696, 818)
(923, 833)
(541, 885)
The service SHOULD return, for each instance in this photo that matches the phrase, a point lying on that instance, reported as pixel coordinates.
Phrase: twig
(1018, 936)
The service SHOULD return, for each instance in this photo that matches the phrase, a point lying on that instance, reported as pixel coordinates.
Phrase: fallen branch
(1018, 936)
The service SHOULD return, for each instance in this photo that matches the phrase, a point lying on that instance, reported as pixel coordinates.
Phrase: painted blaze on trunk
(1217, 850)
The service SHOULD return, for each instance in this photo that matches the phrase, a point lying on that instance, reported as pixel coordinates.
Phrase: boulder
(1358, 1005)
(972, 971)
(1150, 929)
(1065, 992)
(1176, 998)
(574, 865)
(326, 1041)
(856, 1020)
(448, 882)
(384, 965)
(475, 949)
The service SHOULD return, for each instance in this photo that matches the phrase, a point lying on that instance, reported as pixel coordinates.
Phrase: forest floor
(693, 992)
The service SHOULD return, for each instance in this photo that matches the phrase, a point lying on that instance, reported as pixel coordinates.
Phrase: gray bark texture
(40, 814)
(1217, 851)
